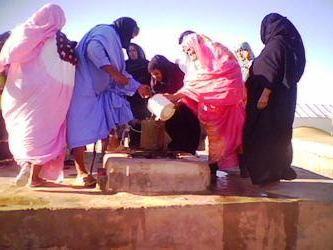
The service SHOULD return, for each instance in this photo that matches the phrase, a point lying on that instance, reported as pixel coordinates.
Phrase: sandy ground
(313, 135)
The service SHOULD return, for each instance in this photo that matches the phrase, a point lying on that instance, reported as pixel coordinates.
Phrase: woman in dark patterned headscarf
(167, 76)
(5, 153)
(272, 92)
(3, 39)
(184, 126)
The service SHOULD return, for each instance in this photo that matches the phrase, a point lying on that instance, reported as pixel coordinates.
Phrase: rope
(135, 130)
(93, 160)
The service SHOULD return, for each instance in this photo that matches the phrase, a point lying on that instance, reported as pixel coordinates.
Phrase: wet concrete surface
(308, 185)
(232, 188)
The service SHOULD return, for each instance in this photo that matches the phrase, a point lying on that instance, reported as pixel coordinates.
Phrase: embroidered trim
(66, 48)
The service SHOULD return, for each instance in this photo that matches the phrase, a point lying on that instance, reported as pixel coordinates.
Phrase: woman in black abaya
(137, 66)
(183, 127)
(272, 93)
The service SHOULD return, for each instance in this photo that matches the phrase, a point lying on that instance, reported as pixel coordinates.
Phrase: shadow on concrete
(306, 174)
(308, 185)
(8, 168)
(74, 190)
(302, 189)
(310, 188)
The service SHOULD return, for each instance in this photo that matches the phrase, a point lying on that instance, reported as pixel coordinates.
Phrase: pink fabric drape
(27, 39)
(214, 84)
(37, 92)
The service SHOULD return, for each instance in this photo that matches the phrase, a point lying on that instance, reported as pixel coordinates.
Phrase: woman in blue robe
(101, 83)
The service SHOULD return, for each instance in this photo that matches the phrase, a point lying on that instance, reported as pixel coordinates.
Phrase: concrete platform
(233, 214)
(149, 176)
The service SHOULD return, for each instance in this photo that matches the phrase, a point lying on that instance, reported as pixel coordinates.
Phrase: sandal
(89, 181)
(86, 181)
(22, 178)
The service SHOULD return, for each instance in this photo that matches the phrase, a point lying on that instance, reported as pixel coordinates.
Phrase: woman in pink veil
(40, 62)
(214, 89)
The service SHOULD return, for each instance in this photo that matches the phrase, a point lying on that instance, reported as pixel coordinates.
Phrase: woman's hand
(174, 97)
(264, 98)
(144, 91)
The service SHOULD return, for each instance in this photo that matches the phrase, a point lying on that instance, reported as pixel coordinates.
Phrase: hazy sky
(228, 22)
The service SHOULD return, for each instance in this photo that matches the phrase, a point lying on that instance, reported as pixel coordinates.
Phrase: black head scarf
(277, 27)
(172, 76)
(138, 68)
(3, 38)
(125, 28)
(141, 53)
(283, 58)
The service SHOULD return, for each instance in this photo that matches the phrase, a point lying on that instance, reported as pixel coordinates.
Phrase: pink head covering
(202, 49)
(27, 39)
(214, 75)
(211, 56)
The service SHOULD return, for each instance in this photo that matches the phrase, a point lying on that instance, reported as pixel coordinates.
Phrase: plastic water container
(161, 107)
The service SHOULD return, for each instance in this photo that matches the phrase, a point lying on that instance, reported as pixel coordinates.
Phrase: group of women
(61, 93)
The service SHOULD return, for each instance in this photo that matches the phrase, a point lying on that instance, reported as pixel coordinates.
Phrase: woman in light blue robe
(101, 83)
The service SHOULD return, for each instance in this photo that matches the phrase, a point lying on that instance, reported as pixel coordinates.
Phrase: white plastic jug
(161, 107)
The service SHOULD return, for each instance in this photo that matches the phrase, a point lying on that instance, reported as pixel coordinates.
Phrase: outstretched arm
(116, 75)
(174, 97)
(98, 56)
